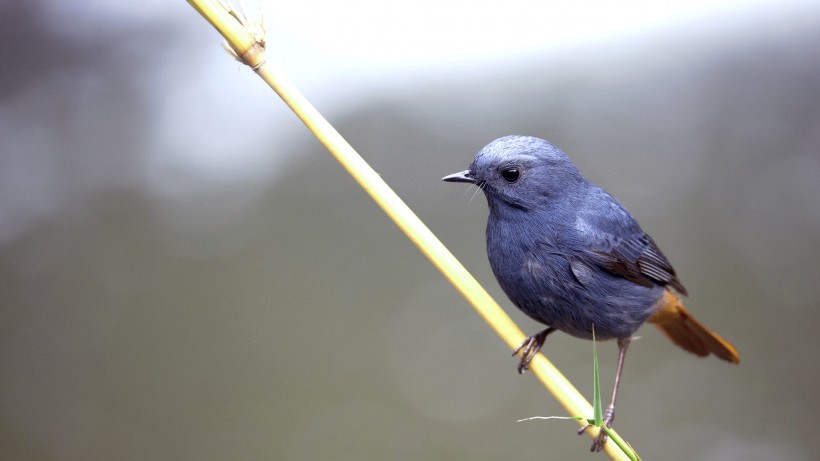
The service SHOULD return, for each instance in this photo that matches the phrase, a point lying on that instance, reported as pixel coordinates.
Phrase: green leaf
(597, 408)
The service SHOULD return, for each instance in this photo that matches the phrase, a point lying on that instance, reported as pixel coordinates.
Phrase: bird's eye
(510, 175)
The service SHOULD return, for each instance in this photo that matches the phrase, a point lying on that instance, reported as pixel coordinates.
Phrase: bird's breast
(535, 270)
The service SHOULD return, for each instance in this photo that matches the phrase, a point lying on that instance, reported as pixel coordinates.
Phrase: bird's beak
(461, 176)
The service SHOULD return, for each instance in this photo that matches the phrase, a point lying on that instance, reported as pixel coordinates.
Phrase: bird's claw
(600, 440)
(530, 347)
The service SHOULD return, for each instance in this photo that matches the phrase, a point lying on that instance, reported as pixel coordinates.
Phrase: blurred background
(185, 273)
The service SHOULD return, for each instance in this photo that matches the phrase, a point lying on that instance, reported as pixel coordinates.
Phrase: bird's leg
(531, 346)
(609, 413)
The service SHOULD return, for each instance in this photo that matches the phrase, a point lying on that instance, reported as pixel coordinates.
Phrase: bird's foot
(530, 347)
(600, 439)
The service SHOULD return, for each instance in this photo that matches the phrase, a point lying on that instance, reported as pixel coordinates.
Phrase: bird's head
(520, 171)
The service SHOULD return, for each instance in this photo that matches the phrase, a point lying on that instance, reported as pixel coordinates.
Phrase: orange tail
(679, 326)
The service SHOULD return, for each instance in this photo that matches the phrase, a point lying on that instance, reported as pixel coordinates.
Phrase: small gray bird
(571, 257)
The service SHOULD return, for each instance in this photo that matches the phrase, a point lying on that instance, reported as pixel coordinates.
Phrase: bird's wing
(636, 258)
(617, 244)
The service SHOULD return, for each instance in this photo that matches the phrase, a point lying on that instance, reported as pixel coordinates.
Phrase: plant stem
(251, 51)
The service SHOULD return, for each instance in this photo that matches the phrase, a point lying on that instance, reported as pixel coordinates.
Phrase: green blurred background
(185, 273)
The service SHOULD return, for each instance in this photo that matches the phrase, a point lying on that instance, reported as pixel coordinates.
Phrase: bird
(571, 257)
